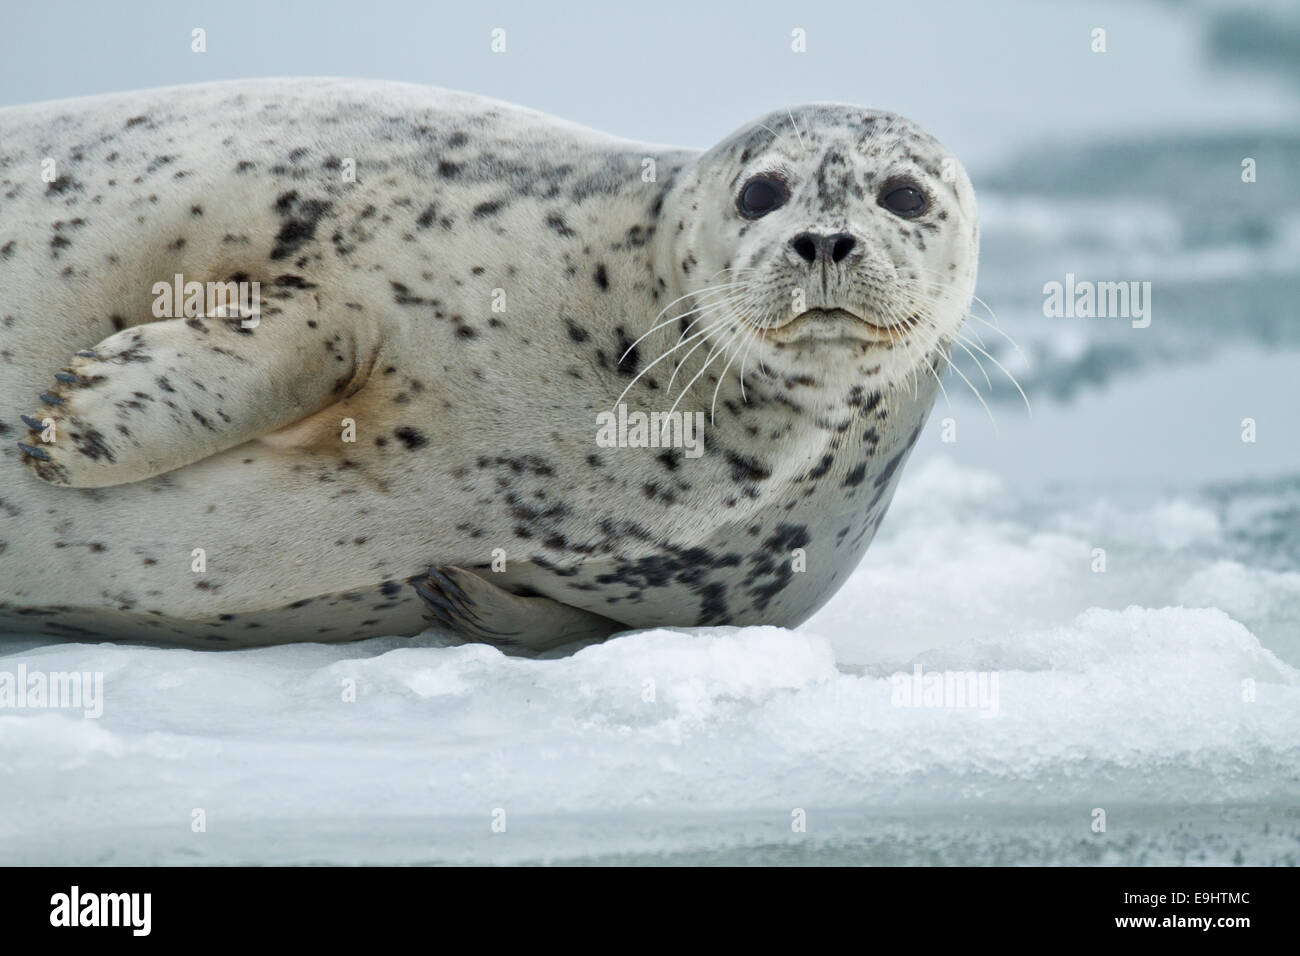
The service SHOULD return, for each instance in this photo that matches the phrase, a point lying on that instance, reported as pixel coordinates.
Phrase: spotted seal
(404, 428)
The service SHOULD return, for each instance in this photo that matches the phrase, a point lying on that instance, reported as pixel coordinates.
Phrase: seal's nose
(813, 247)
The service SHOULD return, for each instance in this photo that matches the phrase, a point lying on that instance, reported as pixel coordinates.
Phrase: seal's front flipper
(158, 396)
(478, 611)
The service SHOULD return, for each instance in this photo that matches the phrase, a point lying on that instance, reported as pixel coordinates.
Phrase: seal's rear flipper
(154, 397)
(478, 611)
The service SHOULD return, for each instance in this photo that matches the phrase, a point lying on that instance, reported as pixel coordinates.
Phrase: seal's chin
(841, 325)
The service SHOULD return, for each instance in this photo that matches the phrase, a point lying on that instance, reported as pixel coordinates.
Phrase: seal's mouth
(842, 324)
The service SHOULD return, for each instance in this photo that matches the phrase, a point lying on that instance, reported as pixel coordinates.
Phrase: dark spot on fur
(747, 469)
(412, 438)
(628, 357)
(556, 223)
(428, 217)
(300, 217)
(293, 282)
(402, 295)
(90, 442)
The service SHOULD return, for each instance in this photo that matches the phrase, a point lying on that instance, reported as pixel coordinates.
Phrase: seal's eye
(760, 196)
(903, 199)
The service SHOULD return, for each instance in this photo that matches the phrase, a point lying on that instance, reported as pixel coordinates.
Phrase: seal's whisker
(758, 326)
(700, 334)
(941, 281)
(707, 290)
(975, 332)
(683, 340)
(744, 358)
(960, 343)
(1002, 333)
(728, 336)
(893, 343)
(723, 340)
(656, 324)
(719, 301)
(729, 301)
(925, 360)
(738, 270)
(976, 391)
(721, 308)
(988, 308)
(908, 347)
(795, 127)
(763, 328)
(715, 325)
(713, 405)
(877, 133)
(777, 136)
(1005, 372)
(927, 319)
(993, 325)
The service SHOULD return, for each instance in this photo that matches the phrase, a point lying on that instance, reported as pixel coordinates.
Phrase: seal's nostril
(805, 246)
(812, 246)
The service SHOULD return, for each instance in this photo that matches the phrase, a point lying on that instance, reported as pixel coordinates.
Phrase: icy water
(1162, 691)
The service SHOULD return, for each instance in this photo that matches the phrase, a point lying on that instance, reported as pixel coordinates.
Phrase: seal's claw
(38, 453)
(86, 353)
(451, 587)
(67, 377)
(435, 601)
(438, 612)
(49, 399)
(463, 602)
(32, 423)
(453, 609)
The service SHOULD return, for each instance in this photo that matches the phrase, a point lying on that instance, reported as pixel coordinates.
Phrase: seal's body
(404, 428)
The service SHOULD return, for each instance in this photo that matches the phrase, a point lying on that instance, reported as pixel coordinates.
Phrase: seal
(434, 410)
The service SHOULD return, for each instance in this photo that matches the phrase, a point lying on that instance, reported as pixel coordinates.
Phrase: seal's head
(833, 241)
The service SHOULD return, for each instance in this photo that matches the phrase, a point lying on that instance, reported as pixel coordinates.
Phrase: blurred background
(1123, 688)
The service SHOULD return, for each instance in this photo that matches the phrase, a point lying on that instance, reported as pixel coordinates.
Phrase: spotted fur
(475, 428)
